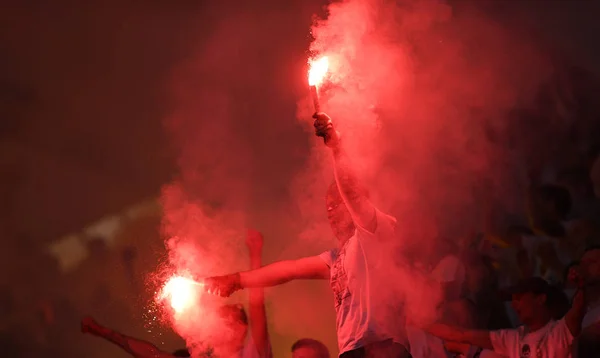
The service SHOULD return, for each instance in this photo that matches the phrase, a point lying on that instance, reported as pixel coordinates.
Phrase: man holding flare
(369, 317)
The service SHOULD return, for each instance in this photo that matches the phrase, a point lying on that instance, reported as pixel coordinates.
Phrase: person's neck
(538, 323)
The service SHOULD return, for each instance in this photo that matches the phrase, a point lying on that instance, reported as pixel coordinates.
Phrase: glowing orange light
(181, 293)
(318, 70)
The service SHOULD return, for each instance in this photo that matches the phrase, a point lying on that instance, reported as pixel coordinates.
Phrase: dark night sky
(82, 95)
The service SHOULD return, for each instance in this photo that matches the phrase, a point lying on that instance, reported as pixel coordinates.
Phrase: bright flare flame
(181, 292)
(317, 71)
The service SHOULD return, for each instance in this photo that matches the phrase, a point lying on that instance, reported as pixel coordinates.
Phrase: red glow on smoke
(318, 70)
(181, 293)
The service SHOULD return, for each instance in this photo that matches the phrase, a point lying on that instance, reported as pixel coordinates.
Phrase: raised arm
(354, 196)
(136, 347)
(473, 337)
(258, 315)
(574, 316)
(277, 273)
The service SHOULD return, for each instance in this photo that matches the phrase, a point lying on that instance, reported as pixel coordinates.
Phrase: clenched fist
(324, 128)
(223, 286)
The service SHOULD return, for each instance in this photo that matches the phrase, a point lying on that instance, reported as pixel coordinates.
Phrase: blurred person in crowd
(232, 345)
(450, 274)
(457, 309)
(581, 188)
(548, 208)
(481, 290)
(309, 348)
(369, 314)
(540, 335)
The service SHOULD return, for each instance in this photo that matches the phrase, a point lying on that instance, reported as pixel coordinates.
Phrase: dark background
(84, 92)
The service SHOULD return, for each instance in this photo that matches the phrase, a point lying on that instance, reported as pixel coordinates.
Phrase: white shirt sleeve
(503, 339)
(329, 256)
(560, 335)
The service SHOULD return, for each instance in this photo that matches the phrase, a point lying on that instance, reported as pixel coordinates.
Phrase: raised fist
(324, 128)
(223, 286)
(254, 241)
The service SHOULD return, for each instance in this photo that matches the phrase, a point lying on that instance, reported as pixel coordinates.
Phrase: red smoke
(415, 88)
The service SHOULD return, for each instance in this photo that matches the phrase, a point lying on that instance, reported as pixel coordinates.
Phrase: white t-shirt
(554, 341)
(425, 345)
(359, 272)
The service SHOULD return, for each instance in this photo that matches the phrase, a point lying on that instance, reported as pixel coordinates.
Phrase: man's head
(235, 327)
(531, 299)
(338, 214)
(309, 348)
(589, 266)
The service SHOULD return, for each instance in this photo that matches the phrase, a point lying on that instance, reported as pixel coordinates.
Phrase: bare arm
(361, 209)
(355, 198)
(312, 267)
(575, 315)
(271, 275)
(258, 314)
(474, 337)
(136, 347)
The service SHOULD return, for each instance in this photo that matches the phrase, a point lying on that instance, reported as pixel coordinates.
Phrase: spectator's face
(339, 216)
(305, 352)
(590, 266)
(527, 305)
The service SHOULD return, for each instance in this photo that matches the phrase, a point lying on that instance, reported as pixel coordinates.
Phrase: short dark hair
(318, 346)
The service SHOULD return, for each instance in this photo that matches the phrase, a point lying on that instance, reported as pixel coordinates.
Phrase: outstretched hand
(324, 128)
(223, 286)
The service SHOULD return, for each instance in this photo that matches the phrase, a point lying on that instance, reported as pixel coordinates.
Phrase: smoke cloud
(424, 94)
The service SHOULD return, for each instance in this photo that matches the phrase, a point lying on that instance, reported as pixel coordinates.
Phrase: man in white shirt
(539, 337)
(369, 314)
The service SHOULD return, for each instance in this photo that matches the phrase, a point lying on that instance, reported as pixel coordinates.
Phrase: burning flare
(318, 70)
(181, 293)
